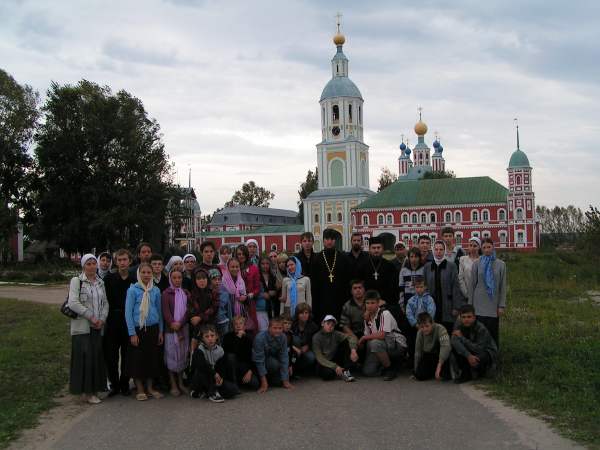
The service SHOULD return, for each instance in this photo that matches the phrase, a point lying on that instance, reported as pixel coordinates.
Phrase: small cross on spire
(516, 121)
(338, 21)
(420, 109)
(402, 136)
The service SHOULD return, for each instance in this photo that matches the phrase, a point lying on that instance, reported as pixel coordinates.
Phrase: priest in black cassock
(356, 256)
(330, 279)
(380, 274)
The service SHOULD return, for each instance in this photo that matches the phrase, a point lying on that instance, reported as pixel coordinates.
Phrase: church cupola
(421, 151)
(438, 164)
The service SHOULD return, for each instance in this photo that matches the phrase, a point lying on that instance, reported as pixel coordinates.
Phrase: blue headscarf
(488, 273)
(293, 286)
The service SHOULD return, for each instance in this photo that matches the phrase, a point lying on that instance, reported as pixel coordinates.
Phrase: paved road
(368, 414)
(53, 294)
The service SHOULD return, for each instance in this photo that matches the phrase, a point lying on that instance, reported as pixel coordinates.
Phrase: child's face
(241, 257)
(239, 325)
(157, 266)
(487, 249)
(123, 262)
(104, 263)
(291, 266)
(448, 238)
(146, 274)
(189, 264)
(209, 338)
(371, 305)
(281, 265)
(414, 260)
(176, 279)
(426, 328)
(420, 288)
(328, 326)
(467, 319)
(358, 291)
(208, 255)
(287, 326)
(178, 265)
(215, 283)
(265, 266)
(202, 282)
(252, 249)
(234, 269)
(303, 316)
(225, 255)
(276, 329)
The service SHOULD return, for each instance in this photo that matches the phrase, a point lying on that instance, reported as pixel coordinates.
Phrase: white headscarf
(102, 273)
(253, 241)
(145, 305)
(476, 240)
(439, 261)
(172, 261)
(85, 258)
(189, 255)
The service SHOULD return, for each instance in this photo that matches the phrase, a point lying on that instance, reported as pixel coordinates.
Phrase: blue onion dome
(440, 149)
(403, 146)
(436, 144)
(407, 151)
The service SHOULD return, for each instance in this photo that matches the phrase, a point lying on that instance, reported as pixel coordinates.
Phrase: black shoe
(125, 391)
(389, 374)
(113, 392)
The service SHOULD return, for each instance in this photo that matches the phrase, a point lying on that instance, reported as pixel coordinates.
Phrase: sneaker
(197, 394)
(216, 398)
(93, 400)
(389, 374)
(347, 376)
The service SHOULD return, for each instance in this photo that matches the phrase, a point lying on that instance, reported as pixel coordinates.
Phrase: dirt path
(51, 294)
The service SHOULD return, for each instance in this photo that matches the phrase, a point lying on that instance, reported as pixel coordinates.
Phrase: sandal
(141, 397)
(155, 394)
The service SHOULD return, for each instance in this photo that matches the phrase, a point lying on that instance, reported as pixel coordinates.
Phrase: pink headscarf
(180, 300)
(236, 288)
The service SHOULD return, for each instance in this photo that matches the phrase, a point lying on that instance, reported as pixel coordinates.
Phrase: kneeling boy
(270, 355)
(432, 349)
(473, 348)
(335, 351)
(382, 338)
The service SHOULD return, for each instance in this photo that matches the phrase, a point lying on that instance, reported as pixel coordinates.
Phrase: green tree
(386, 178)
(104, 179)
(439, 174)
(310, 185)
(251, 195)
(18, 119)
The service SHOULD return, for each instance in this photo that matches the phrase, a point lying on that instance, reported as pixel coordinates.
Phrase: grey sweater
(326, 344)
(478, 296)
(427, 343)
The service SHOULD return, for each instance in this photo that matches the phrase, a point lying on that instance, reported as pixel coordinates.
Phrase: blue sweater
(132, 308)
(418, 304)
(266, 346)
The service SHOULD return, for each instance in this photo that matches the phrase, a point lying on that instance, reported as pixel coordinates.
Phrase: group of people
(237, 319)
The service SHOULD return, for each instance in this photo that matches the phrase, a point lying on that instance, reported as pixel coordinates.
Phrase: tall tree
(18, 119)
(386, 178)
(561, 224)
(310, 185)
(104, 179)
(251, 195)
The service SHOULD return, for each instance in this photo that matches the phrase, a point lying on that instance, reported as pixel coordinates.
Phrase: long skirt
(88, 372)
(144, 360)
(177, 346)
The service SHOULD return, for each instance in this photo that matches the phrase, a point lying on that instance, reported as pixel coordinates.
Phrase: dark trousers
(203, 378)
(115, 344)
(273, 308)
(466, 371)
(411, 340)
(273, 367)
(493, 326)
(240, 368)
(449, 326)
(425, 370)
(341, 358)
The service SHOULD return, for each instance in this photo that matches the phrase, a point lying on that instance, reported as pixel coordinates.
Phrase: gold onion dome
(339, 39)
(420, 128)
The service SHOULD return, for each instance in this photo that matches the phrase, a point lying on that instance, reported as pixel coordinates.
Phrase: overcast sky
(235, 85)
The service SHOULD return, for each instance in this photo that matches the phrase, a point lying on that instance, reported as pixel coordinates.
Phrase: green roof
(442, 191)
(269, 229)
(518, 159)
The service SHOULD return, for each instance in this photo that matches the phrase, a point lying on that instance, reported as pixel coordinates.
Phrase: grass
(34, 362)
(550, 340)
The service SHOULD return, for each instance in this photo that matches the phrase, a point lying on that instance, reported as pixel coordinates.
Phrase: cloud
(133, 53)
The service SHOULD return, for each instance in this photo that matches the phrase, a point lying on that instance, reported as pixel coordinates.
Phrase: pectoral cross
(331, 278)
(375, 275)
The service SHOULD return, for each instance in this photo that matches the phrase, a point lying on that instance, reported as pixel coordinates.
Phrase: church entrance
(389, 240)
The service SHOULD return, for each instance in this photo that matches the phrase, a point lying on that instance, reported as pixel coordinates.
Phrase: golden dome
(339, 39)
(420, 128)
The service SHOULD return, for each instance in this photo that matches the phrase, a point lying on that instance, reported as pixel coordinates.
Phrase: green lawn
(34, 362)
(550, 342)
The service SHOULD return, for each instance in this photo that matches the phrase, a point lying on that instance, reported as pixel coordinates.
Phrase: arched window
(432, 217)
(485, 215)
(501, 214)
(520, 237)
(404, 218)
(323, 117)
(328, 217)
(406, 240)
(336, 113)
(379, 219)
(389, 219)
(518, 179)
(423, 218)
(457, 216)
(474, 215)
(413, 218)
(365, 219)
(339, 216)
(415, 239)
(350, 112)
(475, 234)
(447, 217)
(316, 218)
(519, 213)
(359, 114)
(337, 172)
(273, 247)
(502, 236)
(353, 219)
(363, 173)
(458, 238)
(486, 234)
(297, 247)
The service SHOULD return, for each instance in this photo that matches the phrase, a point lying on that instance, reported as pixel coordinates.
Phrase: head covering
(488, 273)
(399, 244)
(180, 299)
(214, 273)
(145, 304)
(101, 272)
(236, 288)
(327, 318)
(375, 240)
(252, 241)
(293, 285)
(440, 260)
(85, 258)
(189, 255)
(171, 262)
(330, 233)
(476, 240)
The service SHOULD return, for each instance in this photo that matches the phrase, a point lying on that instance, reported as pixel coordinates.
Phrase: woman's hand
(195, 320)
(160, 339)
(135, 341)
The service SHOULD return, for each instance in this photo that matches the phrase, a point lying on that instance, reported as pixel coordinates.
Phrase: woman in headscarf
(465, 266)
(267, 303)
(253, 251)
(175, 262)
(232, 298)
(87, 298)
(296, 287)
(143, 314)
(488, 288)
(203, 311)
(104, 264)
(189, 264)
(251, 278)
(175, 309)
(441, 278)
